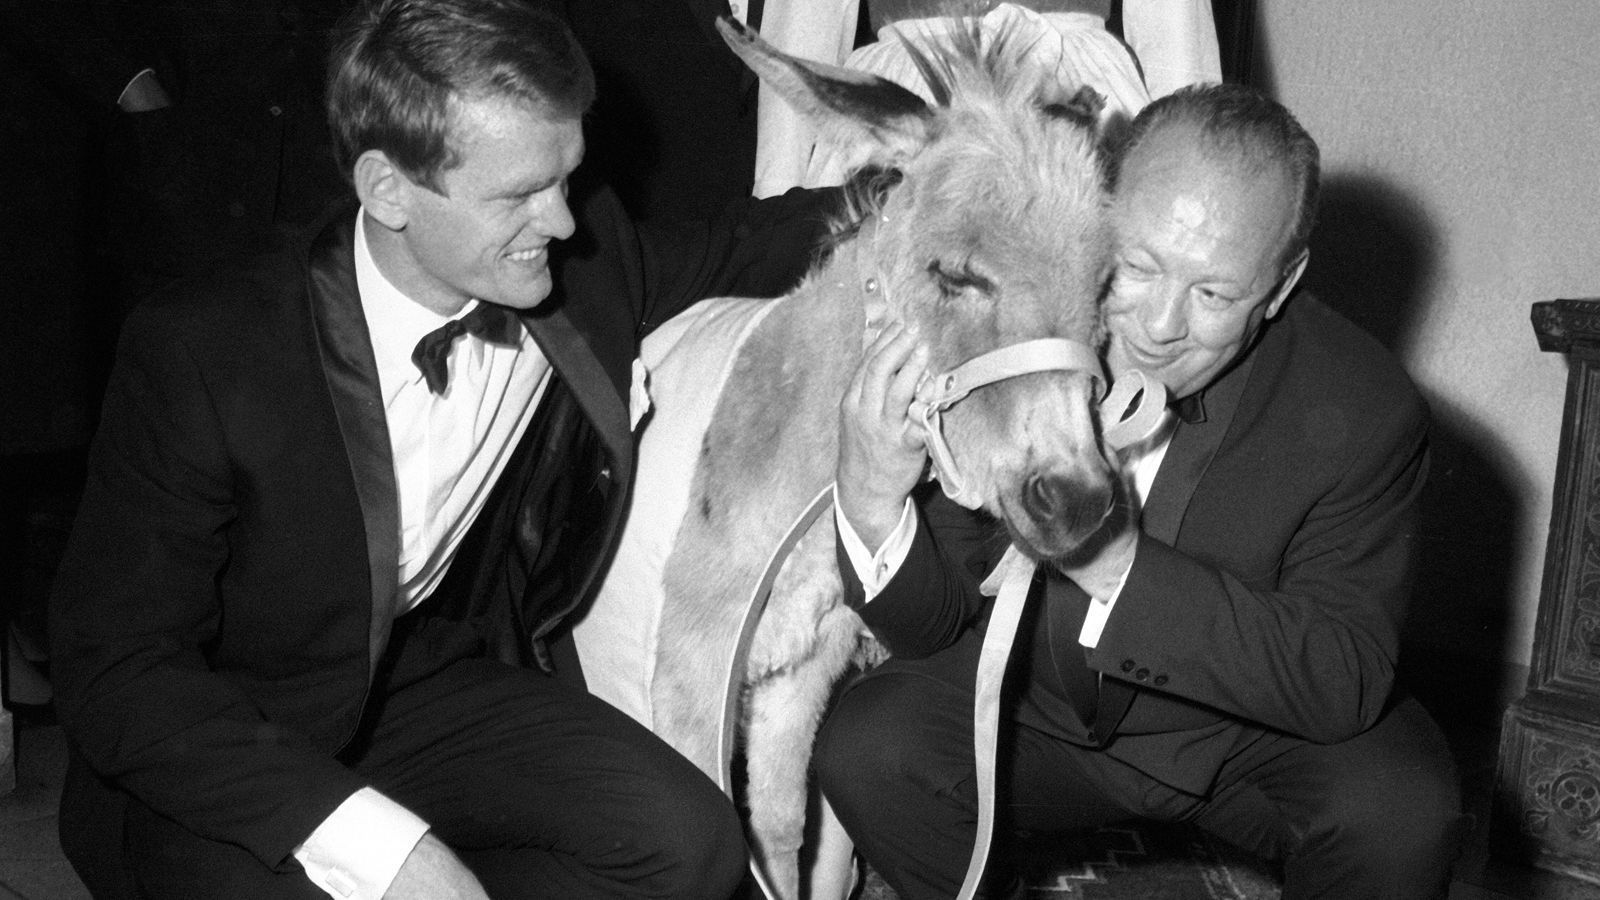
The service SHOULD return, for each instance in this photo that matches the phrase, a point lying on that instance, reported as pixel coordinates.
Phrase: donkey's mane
(962, 66)
(965, 57)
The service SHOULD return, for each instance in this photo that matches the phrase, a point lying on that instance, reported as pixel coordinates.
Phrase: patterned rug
(1137, 862)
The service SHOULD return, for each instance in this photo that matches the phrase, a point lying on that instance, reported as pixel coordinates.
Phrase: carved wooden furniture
(1548, 780)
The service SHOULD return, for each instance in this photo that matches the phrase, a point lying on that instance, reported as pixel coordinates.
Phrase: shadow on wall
(1373, 256)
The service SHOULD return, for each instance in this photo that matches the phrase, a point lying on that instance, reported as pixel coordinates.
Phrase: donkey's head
(993, 236)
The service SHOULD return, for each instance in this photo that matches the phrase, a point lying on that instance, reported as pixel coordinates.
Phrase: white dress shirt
(876, 568)
(449, 449)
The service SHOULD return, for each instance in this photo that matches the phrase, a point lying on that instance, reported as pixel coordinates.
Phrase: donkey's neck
(850, 283)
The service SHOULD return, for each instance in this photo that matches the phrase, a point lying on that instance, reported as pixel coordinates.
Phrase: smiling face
(1199, 261)
(486, 232)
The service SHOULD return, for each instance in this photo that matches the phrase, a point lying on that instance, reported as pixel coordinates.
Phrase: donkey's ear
(844, 104)
(1083, 107)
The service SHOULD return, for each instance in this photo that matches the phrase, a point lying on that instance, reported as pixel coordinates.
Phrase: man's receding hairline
(1227, 158)
(1224, 151)
(1187, 142)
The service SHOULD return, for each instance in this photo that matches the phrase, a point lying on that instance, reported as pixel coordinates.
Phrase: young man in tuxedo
(307, 634)
(1223, 653)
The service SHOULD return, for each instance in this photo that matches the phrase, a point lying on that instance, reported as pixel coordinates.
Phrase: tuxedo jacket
(1270, 581)
(228, 588)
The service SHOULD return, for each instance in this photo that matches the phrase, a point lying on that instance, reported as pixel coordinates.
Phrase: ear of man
(384, 191)
(1291, 277)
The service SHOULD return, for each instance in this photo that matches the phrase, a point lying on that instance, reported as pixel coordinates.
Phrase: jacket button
(1159, 680)
(1142, 674)
(1127, 665)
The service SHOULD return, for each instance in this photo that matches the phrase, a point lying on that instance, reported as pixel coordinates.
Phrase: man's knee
(1393, 819)
(863, 744)
(1398, 831)
(704, 852)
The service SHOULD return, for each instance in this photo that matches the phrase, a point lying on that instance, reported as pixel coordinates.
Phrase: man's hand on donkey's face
(882, 452)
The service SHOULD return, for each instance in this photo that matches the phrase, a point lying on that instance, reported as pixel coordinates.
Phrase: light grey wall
(1461, 143)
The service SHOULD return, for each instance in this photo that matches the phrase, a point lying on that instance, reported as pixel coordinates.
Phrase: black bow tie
(495, 324)
(1190, 409)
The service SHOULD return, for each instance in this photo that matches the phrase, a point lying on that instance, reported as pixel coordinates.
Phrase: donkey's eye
(953, 281)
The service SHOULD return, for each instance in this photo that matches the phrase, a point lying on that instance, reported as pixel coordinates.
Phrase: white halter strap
(1133, 409)
(1131, 412)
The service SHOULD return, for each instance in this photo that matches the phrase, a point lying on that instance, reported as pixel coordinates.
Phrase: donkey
(991, 235)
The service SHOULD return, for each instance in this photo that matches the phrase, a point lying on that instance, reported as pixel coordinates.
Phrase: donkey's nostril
(1075, 507)
(1045, 496)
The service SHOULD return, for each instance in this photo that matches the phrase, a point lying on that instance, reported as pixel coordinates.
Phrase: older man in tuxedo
(1223, 652)
(343, 500)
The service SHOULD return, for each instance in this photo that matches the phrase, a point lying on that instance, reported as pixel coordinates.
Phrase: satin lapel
(345, 346)
(1194, 445)
(569, 354)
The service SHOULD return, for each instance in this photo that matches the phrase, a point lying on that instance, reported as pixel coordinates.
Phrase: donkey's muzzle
(1069, 509)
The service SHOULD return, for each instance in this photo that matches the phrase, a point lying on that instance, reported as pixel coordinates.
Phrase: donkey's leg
(804, 643)
(776, 797)
(832, 869)
(784, 711)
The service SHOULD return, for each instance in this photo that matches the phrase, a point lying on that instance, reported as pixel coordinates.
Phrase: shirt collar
(395, 321)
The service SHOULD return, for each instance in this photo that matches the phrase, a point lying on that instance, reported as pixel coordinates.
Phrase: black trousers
(542, 789)
(1378, 816)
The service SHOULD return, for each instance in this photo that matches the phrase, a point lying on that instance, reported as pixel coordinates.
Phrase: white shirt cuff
(876, 569)
(356, 852)
(1094, 621)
